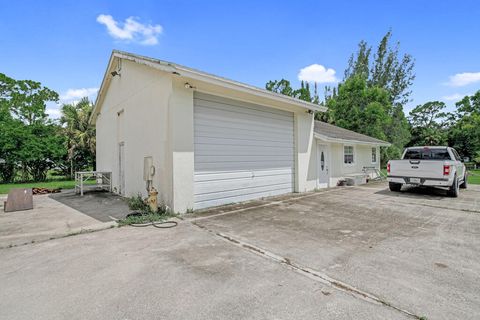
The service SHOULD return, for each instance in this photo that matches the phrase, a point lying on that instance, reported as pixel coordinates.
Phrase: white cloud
(454, 97)
(317, 73)
(463, 79)
(131, 30)
(72, 95)
(53, 113)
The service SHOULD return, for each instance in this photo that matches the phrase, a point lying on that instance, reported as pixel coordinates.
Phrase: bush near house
(142, 214)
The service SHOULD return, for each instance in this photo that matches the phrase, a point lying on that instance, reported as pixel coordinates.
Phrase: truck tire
(454, 189)
(464, 183)
(395, 187)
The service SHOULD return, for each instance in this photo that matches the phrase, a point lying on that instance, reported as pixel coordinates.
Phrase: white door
(322, 165)
(121, 168)
(243, 151)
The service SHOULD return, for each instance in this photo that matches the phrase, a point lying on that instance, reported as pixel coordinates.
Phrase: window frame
(376, 155)
(422, 155)
(456, 155)
(353, 155)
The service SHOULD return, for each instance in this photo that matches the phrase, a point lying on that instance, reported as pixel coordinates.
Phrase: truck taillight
(388, 167)
(446, 170)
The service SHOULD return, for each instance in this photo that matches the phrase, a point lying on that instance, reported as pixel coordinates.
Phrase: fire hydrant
(152, 199)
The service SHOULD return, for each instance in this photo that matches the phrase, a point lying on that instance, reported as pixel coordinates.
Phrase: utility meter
(148, 169)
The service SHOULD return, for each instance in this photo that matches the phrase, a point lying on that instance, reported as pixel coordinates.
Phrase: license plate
(414, 180)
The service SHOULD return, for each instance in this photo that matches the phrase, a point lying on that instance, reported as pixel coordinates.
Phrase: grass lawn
(474, 177)
(64, 184)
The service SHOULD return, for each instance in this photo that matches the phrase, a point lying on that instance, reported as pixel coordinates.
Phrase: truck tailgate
(417, 168)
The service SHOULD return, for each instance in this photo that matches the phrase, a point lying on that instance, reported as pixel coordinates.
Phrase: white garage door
(242, 151)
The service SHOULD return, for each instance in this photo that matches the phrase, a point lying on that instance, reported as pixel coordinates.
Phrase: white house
(213, 141)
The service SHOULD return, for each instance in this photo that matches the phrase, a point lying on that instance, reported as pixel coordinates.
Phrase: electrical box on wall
(148, 169)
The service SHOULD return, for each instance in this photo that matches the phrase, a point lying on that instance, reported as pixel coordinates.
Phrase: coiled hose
(157, 224)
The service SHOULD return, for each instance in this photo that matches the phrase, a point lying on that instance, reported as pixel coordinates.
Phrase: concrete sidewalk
(48, 219)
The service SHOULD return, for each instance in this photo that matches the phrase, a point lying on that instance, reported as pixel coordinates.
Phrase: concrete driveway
(350, 253)
(416, 250)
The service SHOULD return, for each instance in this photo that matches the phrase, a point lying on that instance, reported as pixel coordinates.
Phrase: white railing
(103, 180)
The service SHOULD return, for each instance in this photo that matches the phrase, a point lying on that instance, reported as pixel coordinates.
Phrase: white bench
(103, 180)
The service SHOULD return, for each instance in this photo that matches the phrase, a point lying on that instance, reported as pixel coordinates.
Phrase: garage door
(242, 151)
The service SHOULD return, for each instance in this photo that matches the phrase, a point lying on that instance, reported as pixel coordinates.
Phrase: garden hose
(157, 224)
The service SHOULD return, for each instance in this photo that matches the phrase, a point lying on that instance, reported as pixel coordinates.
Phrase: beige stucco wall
(363, 158)
(337, 169)
(305, 175)
(157, 120)
(143, 94)
(182, 148)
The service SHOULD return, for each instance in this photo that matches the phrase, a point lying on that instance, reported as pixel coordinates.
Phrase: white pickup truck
(429, 167)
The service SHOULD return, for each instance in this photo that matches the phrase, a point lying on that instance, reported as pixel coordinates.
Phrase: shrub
(139, 204)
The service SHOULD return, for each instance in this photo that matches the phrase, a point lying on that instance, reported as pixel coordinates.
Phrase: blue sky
(66, 44)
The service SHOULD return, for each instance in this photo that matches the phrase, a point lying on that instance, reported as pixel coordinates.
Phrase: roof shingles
(337, 133)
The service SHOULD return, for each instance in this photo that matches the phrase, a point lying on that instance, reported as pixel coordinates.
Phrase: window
(427, 154)
(348, 155)
(374, 155)
(322, 161)
(457, 156)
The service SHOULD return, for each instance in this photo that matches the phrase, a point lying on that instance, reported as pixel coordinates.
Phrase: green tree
(28, 101)
(386, 69)
(428, 124)
(398, 133)
(464, 133)
(80, 135)
(365, 109)
(10, 140)
(303, 93)
(28, 139)
(280, 86)
(359, 64)
(41, 149)
(9, 133)
(371, 98)
(360, 108)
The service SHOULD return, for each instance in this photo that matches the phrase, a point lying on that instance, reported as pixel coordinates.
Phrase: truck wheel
(464, 183)
(454, 189)
(395, 187)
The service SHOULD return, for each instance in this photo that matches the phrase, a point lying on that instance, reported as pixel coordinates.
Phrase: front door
(322, 166)
(121, 168)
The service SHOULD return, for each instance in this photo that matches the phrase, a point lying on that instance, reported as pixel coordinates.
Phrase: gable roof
(331, 133)
(193, 74)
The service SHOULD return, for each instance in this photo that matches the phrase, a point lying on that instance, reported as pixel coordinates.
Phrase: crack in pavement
(263, 205)
(308, 272)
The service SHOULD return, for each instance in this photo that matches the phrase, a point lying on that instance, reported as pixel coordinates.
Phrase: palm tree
(79, 132)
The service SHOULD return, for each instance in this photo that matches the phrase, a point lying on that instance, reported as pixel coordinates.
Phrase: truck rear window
(427, 154)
